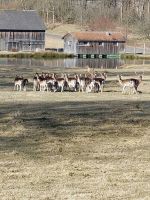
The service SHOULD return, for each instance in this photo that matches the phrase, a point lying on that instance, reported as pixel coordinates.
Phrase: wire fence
(137, 50)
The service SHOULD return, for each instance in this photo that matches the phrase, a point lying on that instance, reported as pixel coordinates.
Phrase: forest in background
(131, 15)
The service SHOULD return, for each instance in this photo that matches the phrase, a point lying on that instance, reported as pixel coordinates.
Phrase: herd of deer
(90, 82)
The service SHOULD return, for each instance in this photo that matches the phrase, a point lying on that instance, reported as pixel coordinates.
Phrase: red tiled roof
(97, 36)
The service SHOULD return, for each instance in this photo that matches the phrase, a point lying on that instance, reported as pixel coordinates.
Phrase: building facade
(21, 31)
(94, 43)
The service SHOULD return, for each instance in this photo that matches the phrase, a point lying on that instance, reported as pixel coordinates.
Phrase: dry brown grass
(53, 42)
(74, 146)
(62, 29)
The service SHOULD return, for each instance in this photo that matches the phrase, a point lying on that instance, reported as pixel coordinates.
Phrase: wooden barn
(21, 31)
(96, 44)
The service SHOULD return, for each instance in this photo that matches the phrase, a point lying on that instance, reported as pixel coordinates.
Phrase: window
(69, 43)
(101, 43)
(115, 43)
(84, 44)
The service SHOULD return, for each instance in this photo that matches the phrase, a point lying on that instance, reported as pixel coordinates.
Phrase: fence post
(125, 46)
(134, 50)
(144, 49)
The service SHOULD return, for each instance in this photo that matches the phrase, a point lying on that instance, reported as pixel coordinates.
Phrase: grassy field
(62, 29)
(59, 30)
(74, 146)
(53, 43)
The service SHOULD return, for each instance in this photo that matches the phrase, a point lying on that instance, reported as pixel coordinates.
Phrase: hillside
(55, 33)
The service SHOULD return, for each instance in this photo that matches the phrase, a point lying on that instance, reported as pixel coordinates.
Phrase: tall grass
(48, 55)
(132, 56)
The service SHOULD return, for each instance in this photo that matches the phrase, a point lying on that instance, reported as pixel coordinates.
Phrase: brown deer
(72, 82)
(61, 82)
(51, 82)
(83, 81)
(130, 83)
(100, 81)
(41, 80)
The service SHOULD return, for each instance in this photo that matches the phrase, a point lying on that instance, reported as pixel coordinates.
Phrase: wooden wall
(71, 45)
(103, 48)
(22, 41)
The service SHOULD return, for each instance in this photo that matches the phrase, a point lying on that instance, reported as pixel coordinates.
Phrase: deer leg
(135, 90)
(55, 89)
(101, 89)
(46, 87)
(75, 89)
(79, 88)
(34, 87)
(62, 88)
(123, 89)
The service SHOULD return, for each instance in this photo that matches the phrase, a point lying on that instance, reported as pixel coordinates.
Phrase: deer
(100, 81)
(20, 83)
(51, 82)
(41, 80)
(24, 84)
(72, 82)
(36, 85)
(61, 82)
(83, 81)
(90, 86)
(130, 83)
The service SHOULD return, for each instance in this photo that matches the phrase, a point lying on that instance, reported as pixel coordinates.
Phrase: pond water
(69, 63)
